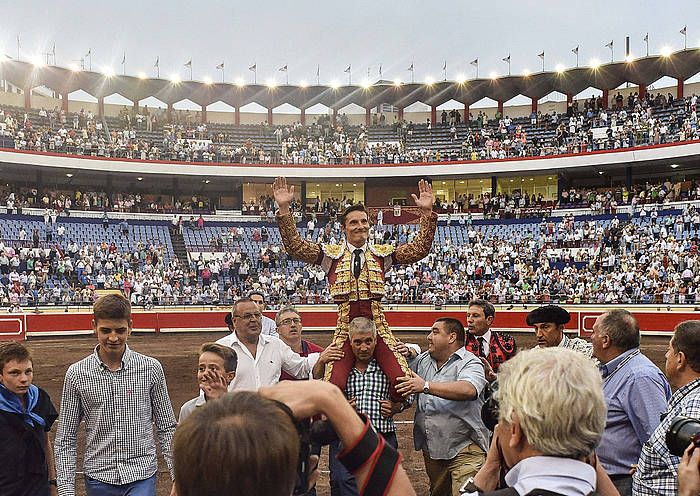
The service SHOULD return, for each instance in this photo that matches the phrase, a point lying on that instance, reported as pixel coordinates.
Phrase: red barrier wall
(17, 326)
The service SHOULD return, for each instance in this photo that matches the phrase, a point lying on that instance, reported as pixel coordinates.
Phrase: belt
(620, 476)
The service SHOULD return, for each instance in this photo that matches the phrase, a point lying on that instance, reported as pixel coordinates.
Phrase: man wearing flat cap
(548, 322)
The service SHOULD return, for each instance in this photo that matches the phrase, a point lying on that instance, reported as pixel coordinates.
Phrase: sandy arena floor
(178, 354)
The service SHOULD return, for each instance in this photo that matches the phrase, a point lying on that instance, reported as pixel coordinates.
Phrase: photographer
(224, 449)
(551, 418)
(657, 469)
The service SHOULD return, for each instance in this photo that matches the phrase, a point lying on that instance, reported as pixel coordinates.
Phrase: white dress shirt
(269, 328)
(486, 344)
(272, 356)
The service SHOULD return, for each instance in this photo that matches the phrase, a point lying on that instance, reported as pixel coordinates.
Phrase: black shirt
(23, 465)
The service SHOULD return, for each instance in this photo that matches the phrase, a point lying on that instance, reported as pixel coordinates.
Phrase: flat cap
(548, 313)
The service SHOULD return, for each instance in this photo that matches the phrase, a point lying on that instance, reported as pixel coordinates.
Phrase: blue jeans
(146, 487)
(342, 481)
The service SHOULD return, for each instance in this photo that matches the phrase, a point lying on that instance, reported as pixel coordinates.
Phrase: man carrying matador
(355, 271)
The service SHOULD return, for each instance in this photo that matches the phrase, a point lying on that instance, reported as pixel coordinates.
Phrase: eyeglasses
(249, 316)
(286, 322)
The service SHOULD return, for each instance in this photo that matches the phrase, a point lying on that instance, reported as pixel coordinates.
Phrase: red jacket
(501, 348)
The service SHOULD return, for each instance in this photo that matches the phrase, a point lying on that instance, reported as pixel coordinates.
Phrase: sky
(331, 35)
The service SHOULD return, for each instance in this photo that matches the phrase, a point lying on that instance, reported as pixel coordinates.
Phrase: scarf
(10, 403)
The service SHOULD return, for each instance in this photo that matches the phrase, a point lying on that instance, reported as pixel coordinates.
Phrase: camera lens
(682, 432)
(489, 410)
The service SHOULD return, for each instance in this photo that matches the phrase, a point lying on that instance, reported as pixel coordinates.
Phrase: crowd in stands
(654, 119)
(606, 199)
(67, 273)
(57, 202)
(651, 258)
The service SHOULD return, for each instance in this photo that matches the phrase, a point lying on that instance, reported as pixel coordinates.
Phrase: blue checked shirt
(119, 409)
(368, 389)
(657, 471)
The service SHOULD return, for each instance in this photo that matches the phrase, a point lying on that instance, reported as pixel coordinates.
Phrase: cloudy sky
(328, 36)
(332, 35)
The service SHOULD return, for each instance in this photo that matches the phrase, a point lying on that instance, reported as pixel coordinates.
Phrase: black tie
(481, 346)
(356, 263)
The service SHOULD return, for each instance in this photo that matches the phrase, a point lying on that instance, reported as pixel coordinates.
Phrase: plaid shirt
(368, 389)
(119, 409)
(657, 471)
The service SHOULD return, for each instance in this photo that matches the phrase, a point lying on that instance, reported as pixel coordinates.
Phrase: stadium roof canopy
(643, 71)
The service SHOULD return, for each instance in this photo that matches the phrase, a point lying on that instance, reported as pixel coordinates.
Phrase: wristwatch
(469, 487)
(426, 387)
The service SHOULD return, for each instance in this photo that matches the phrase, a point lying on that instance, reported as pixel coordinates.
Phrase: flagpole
(124, 64)
(17, 47)
(444, 71)
(646, 40)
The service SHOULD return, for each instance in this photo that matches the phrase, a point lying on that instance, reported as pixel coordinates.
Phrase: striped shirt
(119, 409)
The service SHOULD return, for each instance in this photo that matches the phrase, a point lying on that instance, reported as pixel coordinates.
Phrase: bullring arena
(575, 185)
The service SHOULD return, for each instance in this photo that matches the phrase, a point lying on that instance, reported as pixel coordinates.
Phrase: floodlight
(142, 75)
(303, 83)
(493, 75)
(335, 84)
(365, 83)
(37, 61)
(239, 82)
(175, 78)
(429, 80)
(397, 82)
(207, 80)
(594, 63)
(461, 79)
(526, 72)
(74, 67)
(559, 68)
(666, 51)
(108, 72)
(271, 83)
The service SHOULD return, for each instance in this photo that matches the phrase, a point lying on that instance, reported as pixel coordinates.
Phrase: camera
(489, 410)
(682, 432)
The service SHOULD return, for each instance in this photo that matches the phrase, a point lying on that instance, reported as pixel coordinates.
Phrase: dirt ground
(178, 354)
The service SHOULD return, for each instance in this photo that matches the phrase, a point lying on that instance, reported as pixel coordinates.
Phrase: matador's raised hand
(425, 199)
(283, 194)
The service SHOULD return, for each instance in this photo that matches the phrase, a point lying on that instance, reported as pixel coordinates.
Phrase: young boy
(120, 394)
(216, 370)
(26, 417)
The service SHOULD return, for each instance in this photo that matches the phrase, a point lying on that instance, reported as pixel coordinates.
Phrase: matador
(355, 270)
